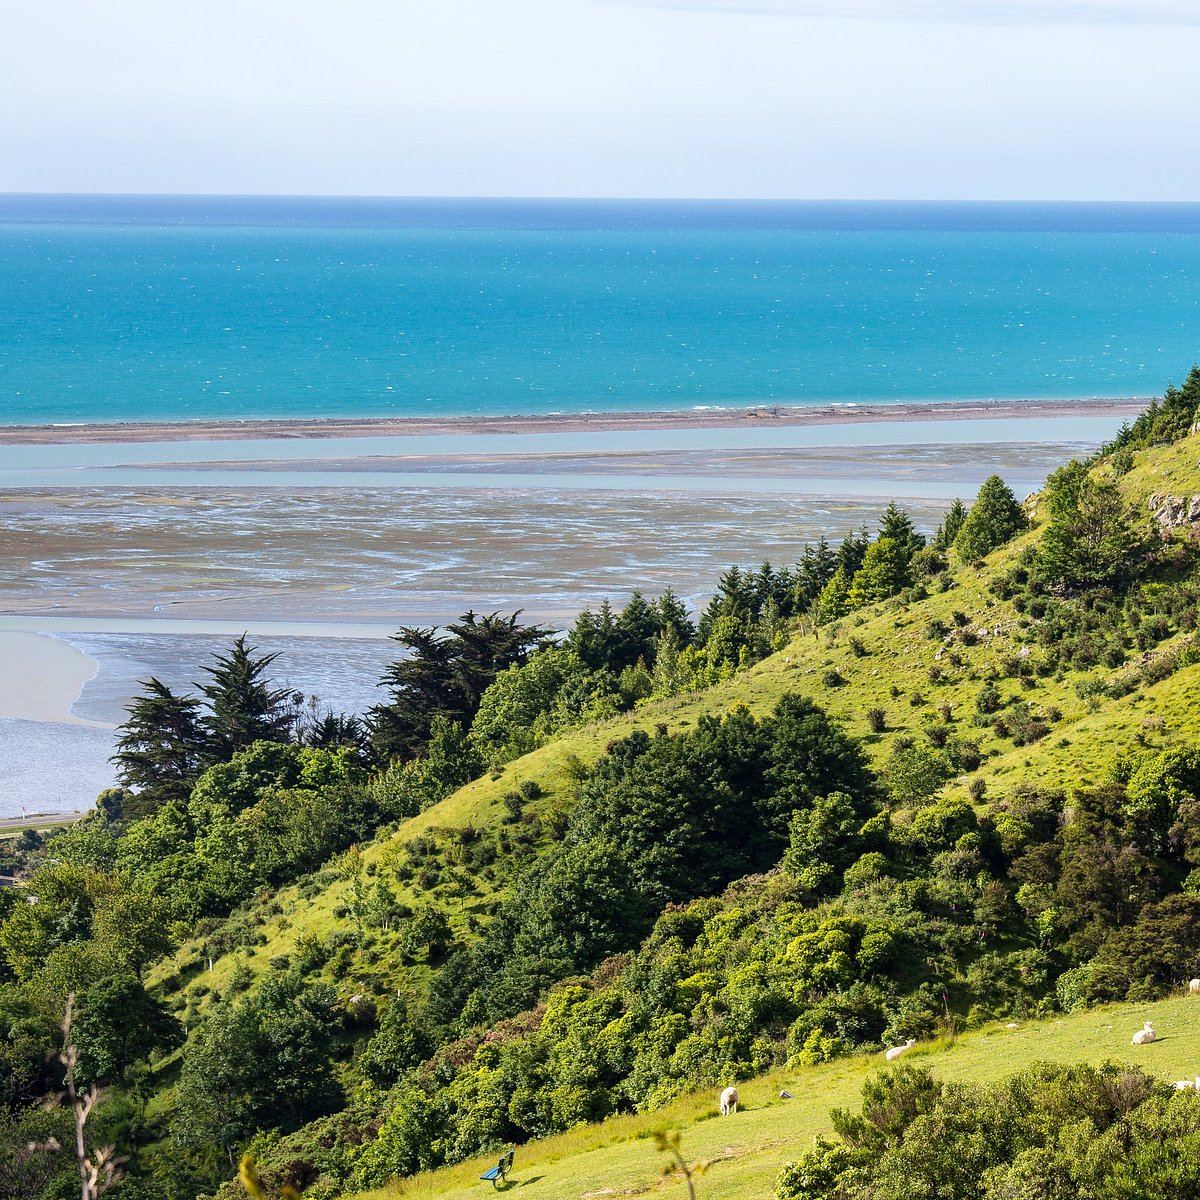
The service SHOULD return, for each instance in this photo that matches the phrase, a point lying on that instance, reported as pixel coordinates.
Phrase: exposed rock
(1173, 512)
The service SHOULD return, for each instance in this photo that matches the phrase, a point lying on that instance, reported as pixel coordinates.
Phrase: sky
(820, 99)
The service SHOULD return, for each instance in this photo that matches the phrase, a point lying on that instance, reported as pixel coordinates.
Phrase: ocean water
(165, 308)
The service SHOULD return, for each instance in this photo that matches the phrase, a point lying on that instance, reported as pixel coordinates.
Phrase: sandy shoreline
(707, 418)
(41, 678)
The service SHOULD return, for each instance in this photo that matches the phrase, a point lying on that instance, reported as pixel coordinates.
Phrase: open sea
(144, 308)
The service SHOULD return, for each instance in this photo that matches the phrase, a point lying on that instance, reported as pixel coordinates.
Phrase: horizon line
(568, 199)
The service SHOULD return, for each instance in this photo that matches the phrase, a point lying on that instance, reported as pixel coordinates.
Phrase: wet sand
(1117, 409)
(41, 677)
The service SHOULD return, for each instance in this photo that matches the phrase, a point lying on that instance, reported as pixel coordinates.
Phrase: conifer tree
(851, 552)
(951, 524)
(832, 602)
(446, 676)
(896, 525)
(242, 706)
(995, 517)
(673, 614)
(884, 572)
(160, 750)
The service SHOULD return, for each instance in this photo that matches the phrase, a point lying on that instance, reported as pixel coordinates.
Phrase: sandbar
(1118, 409)
(41, 677)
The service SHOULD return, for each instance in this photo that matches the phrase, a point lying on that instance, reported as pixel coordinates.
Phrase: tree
(883, 573)
(897, 525)
(445, 677)
(833, 602)
(161, 747)
(483, 647)
(118, 1022)
(262, 1062)
(953, 522)
(1089, 539)
(242, 707)
(130, 929)
(995, 517)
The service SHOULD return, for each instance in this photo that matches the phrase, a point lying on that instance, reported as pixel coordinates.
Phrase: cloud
(972, 12)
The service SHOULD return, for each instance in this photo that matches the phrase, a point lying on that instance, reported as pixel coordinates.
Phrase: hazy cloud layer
(984, 12)
(732, 98)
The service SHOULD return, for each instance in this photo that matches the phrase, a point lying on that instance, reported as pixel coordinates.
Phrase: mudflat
(697, 418)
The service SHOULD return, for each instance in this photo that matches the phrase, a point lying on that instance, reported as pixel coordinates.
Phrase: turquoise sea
(136, 308)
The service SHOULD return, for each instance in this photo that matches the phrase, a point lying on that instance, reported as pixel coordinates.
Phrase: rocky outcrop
(1173, 512)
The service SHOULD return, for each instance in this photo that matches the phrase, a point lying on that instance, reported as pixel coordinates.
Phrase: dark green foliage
(243, 708)
(117, 1023)
(1090, 538)
(28, 1041)
(896, 525)
(1052, 1132)
(399, 1045)
(1167, 420)
(161, 749)
(943, 539)
(994, 519)
(884, 572)
(445, 677)
(268, 815)
(262, 1062)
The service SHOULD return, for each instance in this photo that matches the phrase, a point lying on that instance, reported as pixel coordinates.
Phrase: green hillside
(893, 674)
(745, 1152)
(917, 787)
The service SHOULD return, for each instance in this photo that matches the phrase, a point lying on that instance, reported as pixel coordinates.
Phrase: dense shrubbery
(1108, 1133)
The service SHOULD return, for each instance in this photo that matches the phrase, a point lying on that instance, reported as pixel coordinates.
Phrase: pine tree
(884, 573)
(445, 677)
(814, 571)
(242, 707)
(673, 614)
(995, 517)
(953, 522)
(851, 552)
(637, 632)
(482, 647)
(421, 686)
(832, 602)
(896, 525)
(160, 749)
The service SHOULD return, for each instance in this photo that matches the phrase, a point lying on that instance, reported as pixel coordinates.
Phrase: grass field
(746, 1151)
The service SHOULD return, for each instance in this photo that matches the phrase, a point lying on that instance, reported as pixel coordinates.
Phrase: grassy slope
(746, 1151)
(899, 655)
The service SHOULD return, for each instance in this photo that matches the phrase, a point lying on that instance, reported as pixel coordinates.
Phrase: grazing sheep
(1144, 1036)
(729, 1101)
(1183, 1084)
(894, 1052)
(1194, 987)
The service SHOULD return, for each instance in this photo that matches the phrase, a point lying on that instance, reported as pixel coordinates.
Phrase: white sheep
(1194, 987)
(894, 1052)
(729, 1101)
(1183, 1084)
(1144, 1036)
